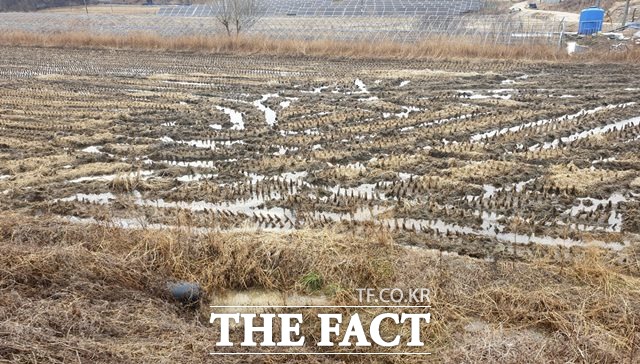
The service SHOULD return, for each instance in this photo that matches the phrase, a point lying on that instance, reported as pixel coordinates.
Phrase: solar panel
(401, 20)
(331, 8)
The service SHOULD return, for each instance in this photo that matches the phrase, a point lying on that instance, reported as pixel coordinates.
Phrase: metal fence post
(626, 13)
(561, 33)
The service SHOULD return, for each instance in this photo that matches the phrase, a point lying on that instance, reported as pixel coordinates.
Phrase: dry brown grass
(104, 9)
(434, 48)
(95, 293)
(583, 180)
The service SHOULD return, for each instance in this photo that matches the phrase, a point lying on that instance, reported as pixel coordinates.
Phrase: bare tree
(236, 15)
(224, 13)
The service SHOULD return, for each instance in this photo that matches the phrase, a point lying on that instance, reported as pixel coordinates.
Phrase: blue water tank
(591, 20)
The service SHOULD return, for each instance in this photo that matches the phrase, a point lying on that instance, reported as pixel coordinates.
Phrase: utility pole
(626, 13)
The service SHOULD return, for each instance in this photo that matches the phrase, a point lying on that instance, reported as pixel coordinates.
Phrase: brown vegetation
(444, 47)
(65, 5)
(95, 294)
(352, 195)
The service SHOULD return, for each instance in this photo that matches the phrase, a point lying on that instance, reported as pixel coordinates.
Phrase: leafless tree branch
(236, 15)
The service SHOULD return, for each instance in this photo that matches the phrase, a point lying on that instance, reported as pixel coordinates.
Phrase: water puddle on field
(316, 90)
(503, 94)
(93, 149)
(288, 132)
(617, 126)
(195, 177)
(285, 104)
(282, 150)
(403, 114)
(293, 176)
(590, 205)
(195, 164)
(490, 228)
(94, 198)
(489, 134)
(110, 177)
(369, 99)
(281, 218)
(361, 86)
(593, 204)
(603, 160)
(235, 117)
(490, 190)
(632, 139)
(364, 191)
(208, 144)
(269, 115)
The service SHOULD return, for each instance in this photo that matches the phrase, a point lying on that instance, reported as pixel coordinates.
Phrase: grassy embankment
(74, 293)
(433, 48)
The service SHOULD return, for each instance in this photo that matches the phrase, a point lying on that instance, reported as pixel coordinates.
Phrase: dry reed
(440, 47)
(95, 293)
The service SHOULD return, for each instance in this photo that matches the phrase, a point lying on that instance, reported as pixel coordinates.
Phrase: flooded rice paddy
(478, 158)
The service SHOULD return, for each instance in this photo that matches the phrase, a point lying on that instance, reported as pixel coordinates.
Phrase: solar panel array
(482, 28)
(343, 8)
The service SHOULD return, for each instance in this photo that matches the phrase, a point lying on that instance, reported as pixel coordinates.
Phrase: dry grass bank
(95, 294)
(104, 9)
(433, 48)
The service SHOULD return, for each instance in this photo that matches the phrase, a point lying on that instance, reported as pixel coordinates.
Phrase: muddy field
(477, 157)
(509, 188)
